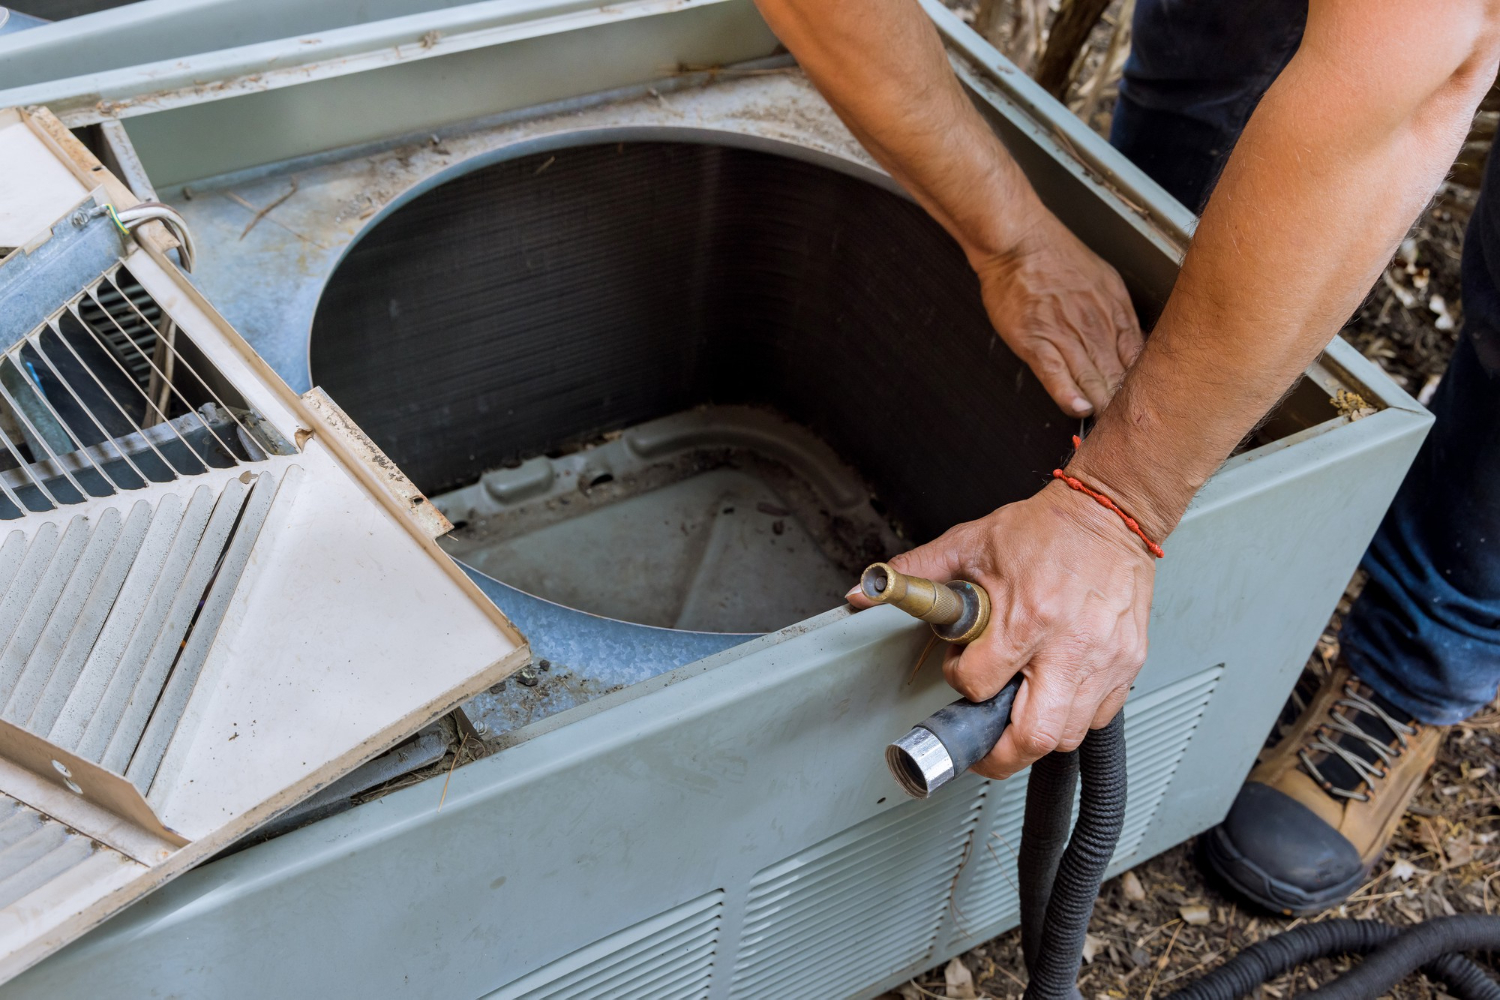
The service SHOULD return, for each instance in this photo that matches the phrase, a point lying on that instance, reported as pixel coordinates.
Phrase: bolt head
(79, 219)
(481, 727)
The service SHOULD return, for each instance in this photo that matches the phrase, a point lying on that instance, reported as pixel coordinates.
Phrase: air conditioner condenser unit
(615, 288)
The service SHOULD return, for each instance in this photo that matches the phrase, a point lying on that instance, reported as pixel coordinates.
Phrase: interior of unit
(512, 337)
(107, 396)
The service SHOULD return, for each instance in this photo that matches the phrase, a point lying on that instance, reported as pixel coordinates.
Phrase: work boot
(1321, 805)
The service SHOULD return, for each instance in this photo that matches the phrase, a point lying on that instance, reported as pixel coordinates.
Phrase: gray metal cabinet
(725, 828)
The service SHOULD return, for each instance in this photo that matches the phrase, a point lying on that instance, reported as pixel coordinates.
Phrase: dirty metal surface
(78, 250)
(577, 657)
(425, 748)
(722, 519)
(267, 278)
(152, 63)
(666, 543)
(537, 303)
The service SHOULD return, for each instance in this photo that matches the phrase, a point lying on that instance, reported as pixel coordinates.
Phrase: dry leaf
(1428, 390)
(1196, 914)
(1403, 295)
(1439, 308)
(909, 991)
(1134, 891)
(959, 980)
(1403, 870)
(1459, 851)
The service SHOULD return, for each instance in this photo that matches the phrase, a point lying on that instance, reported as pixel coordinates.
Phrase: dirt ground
(1164, 923)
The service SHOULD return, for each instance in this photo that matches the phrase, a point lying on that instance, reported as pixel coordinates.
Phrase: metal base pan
(724, 519)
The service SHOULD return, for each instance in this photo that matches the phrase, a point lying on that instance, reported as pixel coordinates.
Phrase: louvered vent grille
(859, 906)
(106, 618)
(127, 318)
(668, 957)
(35, 850)
(1157, 733)
(1158, 729)
(107, 397)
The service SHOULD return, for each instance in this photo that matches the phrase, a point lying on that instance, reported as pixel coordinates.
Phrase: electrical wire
(166, 353)
(149, 211)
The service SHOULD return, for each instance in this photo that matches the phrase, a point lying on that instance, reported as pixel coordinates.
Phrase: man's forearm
(882, 67)
(1337, 161)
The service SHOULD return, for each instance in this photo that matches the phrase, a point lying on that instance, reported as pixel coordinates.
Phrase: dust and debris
(850, 543)
(1351, 405)
(541, 692)
(261, 213)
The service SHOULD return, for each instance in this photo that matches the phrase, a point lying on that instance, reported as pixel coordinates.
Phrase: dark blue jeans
(1426, 630)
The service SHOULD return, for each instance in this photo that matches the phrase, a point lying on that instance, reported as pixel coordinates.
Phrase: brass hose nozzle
(958, 612)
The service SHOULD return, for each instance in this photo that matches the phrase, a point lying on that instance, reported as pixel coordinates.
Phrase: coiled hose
(1058, 886)
(1396, 954)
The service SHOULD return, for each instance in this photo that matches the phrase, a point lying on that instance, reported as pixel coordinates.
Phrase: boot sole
(1252, 882)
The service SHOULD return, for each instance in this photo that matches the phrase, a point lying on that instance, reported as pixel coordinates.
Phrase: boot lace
(1339, 723)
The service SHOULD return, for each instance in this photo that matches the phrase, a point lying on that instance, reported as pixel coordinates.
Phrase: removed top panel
(216, 597)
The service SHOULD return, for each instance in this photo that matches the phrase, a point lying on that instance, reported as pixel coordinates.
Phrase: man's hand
(883, 68)
(1070, 593)
(1064, 312)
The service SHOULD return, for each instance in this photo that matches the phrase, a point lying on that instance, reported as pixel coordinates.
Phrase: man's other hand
(1064, 312)
(1070, 590)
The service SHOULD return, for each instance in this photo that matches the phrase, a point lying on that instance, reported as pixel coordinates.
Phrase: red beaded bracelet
(1108, 504)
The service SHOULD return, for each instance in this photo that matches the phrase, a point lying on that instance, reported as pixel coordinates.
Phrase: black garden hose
(1044, 834)
(1065, 887)
(1059, 875)
(1101, 814)
(1267, 959)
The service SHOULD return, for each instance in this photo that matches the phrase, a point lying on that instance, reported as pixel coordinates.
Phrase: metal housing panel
(668, 955)
(365, 82)
(861, 905)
